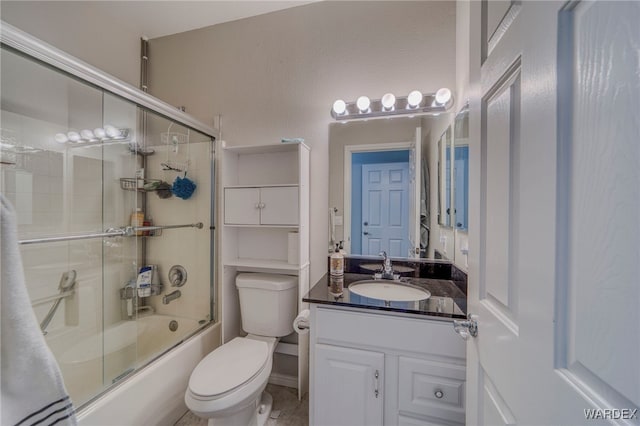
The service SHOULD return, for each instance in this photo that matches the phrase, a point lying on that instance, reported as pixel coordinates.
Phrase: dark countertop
(446, 300)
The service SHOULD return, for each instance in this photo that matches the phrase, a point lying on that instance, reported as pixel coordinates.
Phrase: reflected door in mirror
(385, 203)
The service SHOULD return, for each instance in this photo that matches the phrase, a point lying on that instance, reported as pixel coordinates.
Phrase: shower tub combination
(82, 151)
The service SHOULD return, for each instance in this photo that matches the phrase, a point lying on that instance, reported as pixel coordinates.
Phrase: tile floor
(292, 411)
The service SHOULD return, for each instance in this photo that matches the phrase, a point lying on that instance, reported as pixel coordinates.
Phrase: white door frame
(349, 150)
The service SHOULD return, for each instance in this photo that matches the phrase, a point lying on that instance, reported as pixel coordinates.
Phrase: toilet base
(257, 416)
(264, 410)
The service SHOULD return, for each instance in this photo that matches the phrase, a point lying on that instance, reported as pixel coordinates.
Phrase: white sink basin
(391, 291)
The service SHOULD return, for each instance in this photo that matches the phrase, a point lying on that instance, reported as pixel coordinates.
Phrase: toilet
(227, 386)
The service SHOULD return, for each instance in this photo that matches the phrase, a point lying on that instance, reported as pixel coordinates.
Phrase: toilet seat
(229, 367)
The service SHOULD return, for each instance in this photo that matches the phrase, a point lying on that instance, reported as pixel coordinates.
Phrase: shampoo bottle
(137, 219)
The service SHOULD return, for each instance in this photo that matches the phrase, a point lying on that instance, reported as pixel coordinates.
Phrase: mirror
(461, 170)
(383, 185)
(445, 190)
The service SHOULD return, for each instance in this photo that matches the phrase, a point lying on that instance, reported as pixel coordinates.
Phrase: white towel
(33, 391)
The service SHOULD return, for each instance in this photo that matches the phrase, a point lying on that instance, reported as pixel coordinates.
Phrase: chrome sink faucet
(387, 268)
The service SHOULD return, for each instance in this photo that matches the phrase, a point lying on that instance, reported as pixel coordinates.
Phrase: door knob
(468, 327)
(365, 233)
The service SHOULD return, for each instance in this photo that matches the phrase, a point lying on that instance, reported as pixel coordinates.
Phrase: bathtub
(151, 395)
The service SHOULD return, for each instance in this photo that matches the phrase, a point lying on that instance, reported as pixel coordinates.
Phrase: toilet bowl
(227, 386)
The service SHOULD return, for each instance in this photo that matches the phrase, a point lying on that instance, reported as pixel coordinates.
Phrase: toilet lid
(228, 367)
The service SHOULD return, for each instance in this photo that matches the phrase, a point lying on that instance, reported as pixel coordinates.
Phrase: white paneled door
(554, 262)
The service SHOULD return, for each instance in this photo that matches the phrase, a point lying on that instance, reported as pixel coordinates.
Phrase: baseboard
(284, 380)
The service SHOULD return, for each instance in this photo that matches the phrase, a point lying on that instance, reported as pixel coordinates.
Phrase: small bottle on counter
(336, 285)
(336, 263)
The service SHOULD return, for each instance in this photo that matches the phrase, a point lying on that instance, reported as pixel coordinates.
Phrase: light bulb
(443, 95)
(61, 138)
(414, 99)
(111, 131)
(99, 132)
(339, 107)
(87, 134)
(363, 103)
(388, 101)
(73, 136)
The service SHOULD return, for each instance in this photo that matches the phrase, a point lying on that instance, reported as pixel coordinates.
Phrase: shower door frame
(31, 47)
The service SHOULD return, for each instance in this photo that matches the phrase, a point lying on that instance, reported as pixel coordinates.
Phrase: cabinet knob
(438, 393)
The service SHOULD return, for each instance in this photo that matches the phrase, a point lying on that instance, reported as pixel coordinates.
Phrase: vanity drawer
(410, 421)
(430, 337)
(431, 388)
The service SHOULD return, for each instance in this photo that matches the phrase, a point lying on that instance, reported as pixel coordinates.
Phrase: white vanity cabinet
(371, 368)
(267, 205)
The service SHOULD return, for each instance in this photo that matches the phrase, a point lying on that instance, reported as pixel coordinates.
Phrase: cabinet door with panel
(279, 205)
(261, 206)
(348, 387)
(242, 206)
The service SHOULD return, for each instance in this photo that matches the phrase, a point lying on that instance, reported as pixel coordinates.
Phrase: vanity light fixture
(92, 137)
(415, 104)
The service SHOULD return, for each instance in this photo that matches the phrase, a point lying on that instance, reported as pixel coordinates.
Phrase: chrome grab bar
(127, 231)
(67, 284)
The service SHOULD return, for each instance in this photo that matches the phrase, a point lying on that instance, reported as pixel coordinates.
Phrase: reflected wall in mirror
(383, 185)
(461, 169)
(445, 189)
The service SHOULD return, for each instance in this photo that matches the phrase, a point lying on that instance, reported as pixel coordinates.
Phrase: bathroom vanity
(393, 363)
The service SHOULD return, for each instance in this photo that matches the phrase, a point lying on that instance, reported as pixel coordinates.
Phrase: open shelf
(261, 185)
(263, 263)
(231, 225)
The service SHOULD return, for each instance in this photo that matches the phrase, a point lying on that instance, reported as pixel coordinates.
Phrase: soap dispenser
(337, 263)
(336, 272)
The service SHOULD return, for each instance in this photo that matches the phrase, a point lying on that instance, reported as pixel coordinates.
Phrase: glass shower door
(62, 181)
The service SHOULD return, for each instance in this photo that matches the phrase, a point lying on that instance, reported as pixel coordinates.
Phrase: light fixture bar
(428, 106)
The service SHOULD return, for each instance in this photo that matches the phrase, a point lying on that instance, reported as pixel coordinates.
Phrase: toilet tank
(268, 303)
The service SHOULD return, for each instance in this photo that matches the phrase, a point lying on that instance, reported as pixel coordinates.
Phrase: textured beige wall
(80, 29)
(277, 75)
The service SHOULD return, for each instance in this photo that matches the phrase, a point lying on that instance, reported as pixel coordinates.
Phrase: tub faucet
(171, 296)
(387, 268)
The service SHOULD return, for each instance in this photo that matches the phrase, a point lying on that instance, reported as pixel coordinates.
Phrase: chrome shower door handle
(468, 327)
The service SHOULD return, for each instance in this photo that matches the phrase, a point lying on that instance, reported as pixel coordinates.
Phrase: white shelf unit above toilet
(263, 206)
